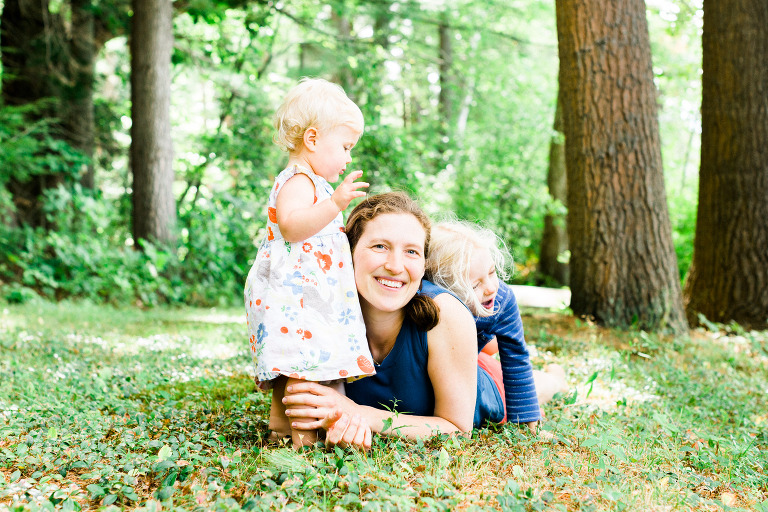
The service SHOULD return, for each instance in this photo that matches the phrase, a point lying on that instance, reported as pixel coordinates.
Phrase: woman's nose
(394, 262)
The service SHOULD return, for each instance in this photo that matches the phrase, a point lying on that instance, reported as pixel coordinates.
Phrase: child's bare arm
(299, 217)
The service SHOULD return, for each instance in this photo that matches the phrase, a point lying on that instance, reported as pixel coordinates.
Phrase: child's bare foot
(549, 382)
(558, 372)
(276, 437)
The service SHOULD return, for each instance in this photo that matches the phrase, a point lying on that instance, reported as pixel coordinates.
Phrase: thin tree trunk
(79, 117)
(154, 208)
(623, 265)
(554, 239)
(728, 280)
(445, 100)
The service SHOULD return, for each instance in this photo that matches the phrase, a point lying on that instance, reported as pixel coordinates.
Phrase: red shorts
(493, 367)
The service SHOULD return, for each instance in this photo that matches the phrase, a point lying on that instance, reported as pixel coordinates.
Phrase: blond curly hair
(451, 247)
(313, 102)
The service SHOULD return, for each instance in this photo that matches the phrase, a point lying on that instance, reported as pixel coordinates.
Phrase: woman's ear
(310, 138)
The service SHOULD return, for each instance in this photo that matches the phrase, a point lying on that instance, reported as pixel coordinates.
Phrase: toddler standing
(301, 302)
(467, 259)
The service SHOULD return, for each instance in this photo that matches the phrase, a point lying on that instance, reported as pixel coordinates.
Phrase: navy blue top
(517, 372)
(402, 381)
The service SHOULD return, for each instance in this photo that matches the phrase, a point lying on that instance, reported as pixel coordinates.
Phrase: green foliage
(88, 253)
(486, 160)
(682, 213)
(28, 148)
(102, 405)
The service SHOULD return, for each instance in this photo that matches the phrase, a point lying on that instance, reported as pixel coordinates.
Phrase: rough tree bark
(728, 280)
(154, 208)
(623, 264)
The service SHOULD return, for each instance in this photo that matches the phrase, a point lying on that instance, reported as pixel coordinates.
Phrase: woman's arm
(452, 368)
(453, 363)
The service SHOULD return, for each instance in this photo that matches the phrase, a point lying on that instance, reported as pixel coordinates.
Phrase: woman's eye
(413, 252)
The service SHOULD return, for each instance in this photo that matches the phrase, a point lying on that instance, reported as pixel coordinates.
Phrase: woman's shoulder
(454, 314)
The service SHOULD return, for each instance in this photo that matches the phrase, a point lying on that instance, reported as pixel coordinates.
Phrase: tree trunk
(445, 100)
(78, 120)
(554, 240)
(382, 16)
(728, 280)
(154, 208)
(623, 265)
(343, 74)
(31, 55)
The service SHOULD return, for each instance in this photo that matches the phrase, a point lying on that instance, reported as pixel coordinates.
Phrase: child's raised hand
(348, 190)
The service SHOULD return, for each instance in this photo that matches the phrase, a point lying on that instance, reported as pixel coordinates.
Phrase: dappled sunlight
(597, 385)
(154, 343)
(186, 373)
(65, 371)
(185, 391)
(217, 317)
(753, 344)
(76, 338)
(7, 410)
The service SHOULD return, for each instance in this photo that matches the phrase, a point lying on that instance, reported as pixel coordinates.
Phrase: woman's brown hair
(422, 310)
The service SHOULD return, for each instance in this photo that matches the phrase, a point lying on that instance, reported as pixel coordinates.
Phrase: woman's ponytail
(423, 311)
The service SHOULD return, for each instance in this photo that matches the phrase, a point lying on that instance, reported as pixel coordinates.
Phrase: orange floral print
(324, 260)
(364, 364)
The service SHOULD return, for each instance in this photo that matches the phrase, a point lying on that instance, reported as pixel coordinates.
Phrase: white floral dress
(301, 302)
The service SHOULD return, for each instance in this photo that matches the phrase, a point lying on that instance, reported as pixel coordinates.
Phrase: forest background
(136, 155)
(459, 105)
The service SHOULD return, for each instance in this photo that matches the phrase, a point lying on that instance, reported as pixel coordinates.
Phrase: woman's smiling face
(389, 261)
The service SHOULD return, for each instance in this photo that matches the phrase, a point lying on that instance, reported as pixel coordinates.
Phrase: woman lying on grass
(421, 337)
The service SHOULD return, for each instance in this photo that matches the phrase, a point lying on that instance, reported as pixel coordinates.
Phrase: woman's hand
(329, 410)
(316, 404)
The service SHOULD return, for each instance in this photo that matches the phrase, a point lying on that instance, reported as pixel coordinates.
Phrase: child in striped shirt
(467, 260)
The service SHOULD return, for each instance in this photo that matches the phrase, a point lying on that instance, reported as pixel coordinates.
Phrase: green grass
(120, 408)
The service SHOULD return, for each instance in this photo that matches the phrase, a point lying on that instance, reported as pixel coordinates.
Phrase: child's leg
(549, 382)
(300, 437)
(307, 437)
(278, 421)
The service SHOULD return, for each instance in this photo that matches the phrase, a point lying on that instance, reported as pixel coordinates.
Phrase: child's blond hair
(314, 102)
(451, 246)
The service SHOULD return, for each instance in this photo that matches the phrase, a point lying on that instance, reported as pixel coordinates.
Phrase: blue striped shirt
(507, 326)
